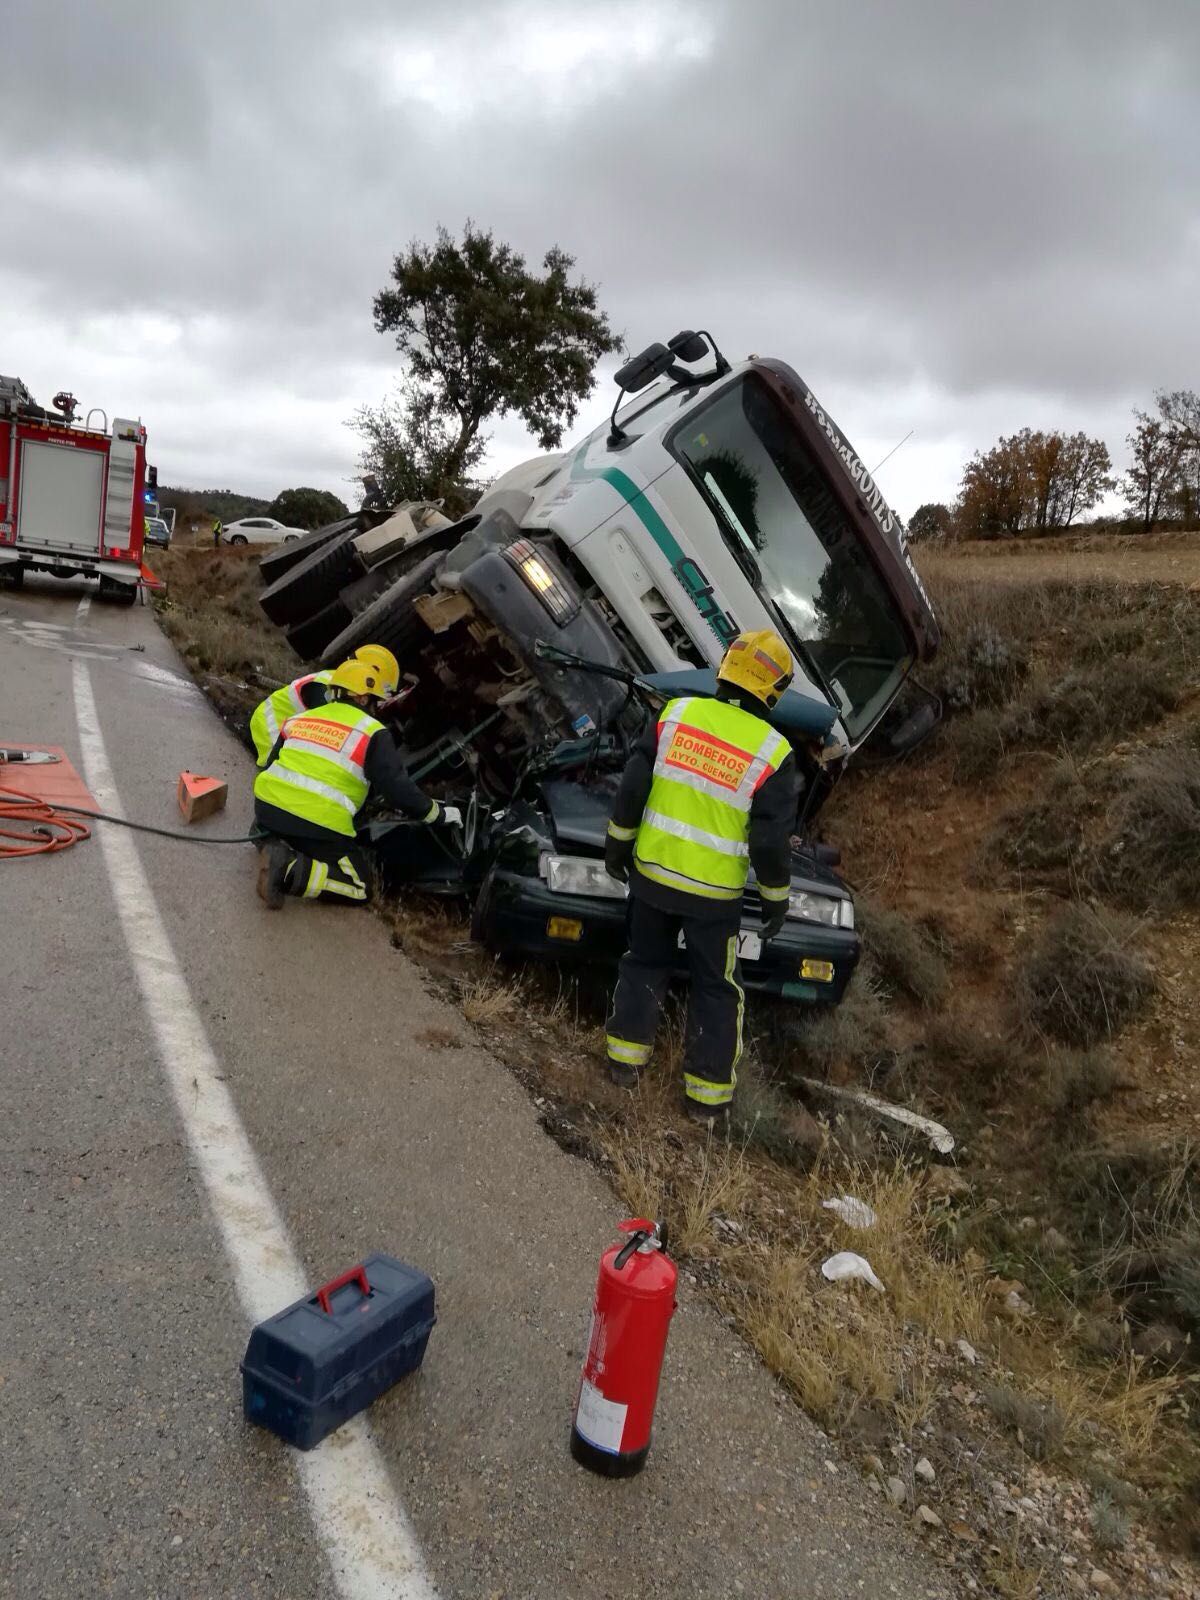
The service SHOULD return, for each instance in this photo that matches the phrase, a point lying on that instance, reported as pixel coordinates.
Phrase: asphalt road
(125, 1466)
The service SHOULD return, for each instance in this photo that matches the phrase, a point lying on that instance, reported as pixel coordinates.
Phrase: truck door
(61, 497)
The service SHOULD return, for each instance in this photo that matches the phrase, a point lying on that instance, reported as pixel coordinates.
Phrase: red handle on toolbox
(355, 1274)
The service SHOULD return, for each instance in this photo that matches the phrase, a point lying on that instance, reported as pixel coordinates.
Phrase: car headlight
(580, 875)
(824, 908)
(558, 600)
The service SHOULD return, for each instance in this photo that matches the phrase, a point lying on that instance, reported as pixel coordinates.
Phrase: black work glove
(773, 916)
(618, 857)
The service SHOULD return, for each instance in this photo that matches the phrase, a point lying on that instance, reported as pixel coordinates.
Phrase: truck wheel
(276, 562)
(13, 574)
(312, 583)
(310, 637)
(391, 620)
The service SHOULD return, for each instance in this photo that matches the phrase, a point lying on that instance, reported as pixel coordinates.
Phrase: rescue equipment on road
(317, 1363)
(618, 1389)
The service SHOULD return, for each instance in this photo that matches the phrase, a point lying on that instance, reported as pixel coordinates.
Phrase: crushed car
(586, 588)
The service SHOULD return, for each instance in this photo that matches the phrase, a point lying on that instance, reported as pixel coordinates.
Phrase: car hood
(579, 812)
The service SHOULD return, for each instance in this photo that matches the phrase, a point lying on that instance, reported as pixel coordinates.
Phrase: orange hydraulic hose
(40, 830)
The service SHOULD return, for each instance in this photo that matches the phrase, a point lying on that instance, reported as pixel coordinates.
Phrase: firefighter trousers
(713, 1035)
(333, 870)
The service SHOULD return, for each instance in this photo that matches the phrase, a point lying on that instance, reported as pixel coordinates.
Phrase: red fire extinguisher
(635, 1299)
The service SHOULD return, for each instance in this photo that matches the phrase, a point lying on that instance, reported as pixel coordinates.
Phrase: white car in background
(259, 530)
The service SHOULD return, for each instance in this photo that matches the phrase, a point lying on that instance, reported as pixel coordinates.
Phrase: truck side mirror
(688, 346)
(643, 368)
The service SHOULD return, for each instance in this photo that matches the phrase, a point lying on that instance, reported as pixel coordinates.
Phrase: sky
(954, 219)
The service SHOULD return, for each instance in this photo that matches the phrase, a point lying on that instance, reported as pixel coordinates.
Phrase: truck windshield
(764, 482)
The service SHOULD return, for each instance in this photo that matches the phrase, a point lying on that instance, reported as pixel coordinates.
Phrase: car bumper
(519, 913)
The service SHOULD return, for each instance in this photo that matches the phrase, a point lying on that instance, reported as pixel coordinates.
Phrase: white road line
(361, 1525)
(82, 609)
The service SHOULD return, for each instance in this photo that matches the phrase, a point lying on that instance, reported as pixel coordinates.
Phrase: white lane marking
(82, 609)
(361, 1525)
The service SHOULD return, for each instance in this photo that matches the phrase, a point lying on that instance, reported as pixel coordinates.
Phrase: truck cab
(732, 501)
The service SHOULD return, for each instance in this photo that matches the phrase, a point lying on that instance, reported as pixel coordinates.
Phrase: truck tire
(312, 583)
(360, 594)
(390, 620)
(13, 574)
(310, 637)
(293, 551)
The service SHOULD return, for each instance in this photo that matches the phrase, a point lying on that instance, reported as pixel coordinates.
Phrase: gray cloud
(958, 219)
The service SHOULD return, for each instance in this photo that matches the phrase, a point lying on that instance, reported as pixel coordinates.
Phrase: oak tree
(483, 335)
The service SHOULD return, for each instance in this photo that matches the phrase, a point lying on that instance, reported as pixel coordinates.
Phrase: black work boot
(274, 859)
(623, 1075)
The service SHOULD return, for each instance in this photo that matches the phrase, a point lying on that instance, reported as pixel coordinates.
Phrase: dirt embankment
(1029, 888)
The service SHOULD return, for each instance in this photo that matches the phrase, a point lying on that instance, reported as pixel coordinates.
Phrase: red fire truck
(72, 495)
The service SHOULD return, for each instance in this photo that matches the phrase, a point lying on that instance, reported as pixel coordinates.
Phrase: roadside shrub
(1115, 697)
(1151, 855)
(856, 1034)
(978, 744)
(987, 670)
(902, 953)
(1083, 978)
(1077, 1080)
(1048, 836)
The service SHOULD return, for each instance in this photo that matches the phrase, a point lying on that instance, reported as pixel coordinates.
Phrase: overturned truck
(588, 587)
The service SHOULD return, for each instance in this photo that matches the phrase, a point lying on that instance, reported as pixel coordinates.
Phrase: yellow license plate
(821, 971)
(565, 928)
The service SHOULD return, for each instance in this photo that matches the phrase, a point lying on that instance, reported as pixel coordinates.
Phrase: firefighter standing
(324, 765)
(216, 532)
(306, 693)
(707, 794)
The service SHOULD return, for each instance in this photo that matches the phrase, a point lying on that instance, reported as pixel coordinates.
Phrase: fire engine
(72, 495)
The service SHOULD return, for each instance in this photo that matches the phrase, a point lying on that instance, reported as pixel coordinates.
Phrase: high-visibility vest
(712, 759)
(319, 773)
(271, 714)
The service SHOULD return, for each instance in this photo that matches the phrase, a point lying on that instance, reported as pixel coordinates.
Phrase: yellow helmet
(382, 661)
(356, 677)
(760, 663)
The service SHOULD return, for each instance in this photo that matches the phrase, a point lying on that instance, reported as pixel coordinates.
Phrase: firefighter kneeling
(707, 794)
(324, 764)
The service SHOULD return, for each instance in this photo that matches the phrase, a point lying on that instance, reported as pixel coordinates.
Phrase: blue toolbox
(312, 1366)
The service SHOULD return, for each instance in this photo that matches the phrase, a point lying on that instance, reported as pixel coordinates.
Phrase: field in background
(1028, 884)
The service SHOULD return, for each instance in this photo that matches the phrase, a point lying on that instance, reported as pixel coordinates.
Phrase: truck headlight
(806, 906)
(580, 875)
(543, 580)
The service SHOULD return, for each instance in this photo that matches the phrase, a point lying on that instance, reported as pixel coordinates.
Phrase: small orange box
(200, 797)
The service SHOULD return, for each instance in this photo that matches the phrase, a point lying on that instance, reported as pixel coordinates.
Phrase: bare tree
(1084, 476)
(1154, 471)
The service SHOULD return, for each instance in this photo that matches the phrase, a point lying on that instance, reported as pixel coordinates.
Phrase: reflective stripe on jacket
(319, 773)
(712, 757)
(271, 714)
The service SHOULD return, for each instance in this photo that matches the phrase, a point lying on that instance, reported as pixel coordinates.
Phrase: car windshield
(764, 482)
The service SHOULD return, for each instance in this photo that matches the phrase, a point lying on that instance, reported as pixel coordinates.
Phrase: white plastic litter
(940, 1138)
(848, 1265)
(854, 1213)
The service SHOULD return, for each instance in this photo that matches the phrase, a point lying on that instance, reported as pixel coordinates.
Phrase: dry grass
(487, 1002)
(210, 613)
